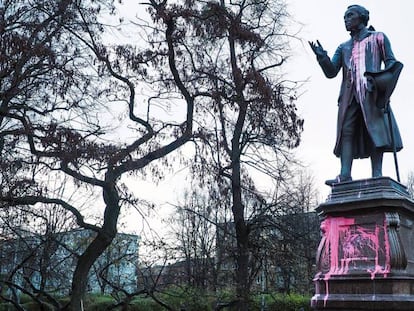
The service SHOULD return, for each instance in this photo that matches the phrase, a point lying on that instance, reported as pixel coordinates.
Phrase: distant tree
(193, 228)
(410, 184)
(231, 53)
(285, 235)
(282, 245)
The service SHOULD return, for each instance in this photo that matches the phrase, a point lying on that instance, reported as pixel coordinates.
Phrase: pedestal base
(365, 260)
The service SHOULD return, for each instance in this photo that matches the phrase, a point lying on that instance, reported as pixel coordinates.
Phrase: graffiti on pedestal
(352, 246)
(363, 246)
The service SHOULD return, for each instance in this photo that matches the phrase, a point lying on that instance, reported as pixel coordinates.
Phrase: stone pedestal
(365, 259)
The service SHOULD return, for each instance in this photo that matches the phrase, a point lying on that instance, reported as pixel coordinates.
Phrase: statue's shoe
(338, 179)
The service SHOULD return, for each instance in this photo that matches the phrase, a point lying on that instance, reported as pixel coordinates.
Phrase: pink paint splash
(346, 243)
(367, 47)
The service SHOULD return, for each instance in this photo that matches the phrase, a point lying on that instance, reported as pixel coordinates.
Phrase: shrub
(144, 304)
(279, 302)
(187, 298)
(6, 307)
(97, 302)
(34, 306)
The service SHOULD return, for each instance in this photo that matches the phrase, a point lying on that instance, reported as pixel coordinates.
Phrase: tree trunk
(83, 266)
(242, 270)
(242, 259)
(242, 232)
(96, 248)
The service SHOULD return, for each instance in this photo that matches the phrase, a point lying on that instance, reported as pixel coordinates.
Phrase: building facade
(47, 262)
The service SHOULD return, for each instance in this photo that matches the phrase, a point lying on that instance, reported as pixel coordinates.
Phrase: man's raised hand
(317, 48)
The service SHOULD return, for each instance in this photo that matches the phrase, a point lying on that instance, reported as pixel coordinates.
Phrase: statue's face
(352, 20)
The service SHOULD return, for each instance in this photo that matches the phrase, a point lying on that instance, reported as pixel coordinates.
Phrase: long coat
(366, 52)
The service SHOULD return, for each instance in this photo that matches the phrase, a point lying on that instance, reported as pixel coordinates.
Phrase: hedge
(185, 299)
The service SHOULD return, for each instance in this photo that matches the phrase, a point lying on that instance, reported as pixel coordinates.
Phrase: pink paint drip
(360, 49)
(387, 251)
(355, 241)
(331, 229)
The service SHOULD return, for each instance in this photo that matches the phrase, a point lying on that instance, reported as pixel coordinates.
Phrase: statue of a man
(366, 126)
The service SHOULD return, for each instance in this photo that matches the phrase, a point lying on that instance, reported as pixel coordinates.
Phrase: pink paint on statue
(345, 242)
(368, 46)
(374, 245)
(335, 227)
(331, 228)
(387, 265)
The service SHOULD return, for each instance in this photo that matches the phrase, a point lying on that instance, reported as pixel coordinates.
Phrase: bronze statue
(366, 126)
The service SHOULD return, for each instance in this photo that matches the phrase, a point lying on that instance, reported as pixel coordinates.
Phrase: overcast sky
(323, 20)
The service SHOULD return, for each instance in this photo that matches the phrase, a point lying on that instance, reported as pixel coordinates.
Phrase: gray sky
(323, 20)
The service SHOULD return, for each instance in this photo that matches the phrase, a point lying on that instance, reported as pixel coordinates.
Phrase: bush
(6, 307)
(102, 302)
(186, 298)
(34, 306)
(96, 302)
(28, 304)
(144, 304)
(279, 302)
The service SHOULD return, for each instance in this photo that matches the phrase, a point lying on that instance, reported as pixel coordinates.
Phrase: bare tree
(282, 240)
(232, 52)
(193, 226)
(218, 63)
(61, 90)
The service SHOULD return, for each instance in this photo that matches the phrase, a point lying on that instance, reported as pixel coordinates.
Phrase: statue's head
(361, 11)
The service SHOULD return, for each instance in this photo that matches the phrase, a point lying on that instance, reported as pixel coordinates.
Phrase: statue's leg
(346, 157)
(348, 137)
(352, 114)
(376, 162)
